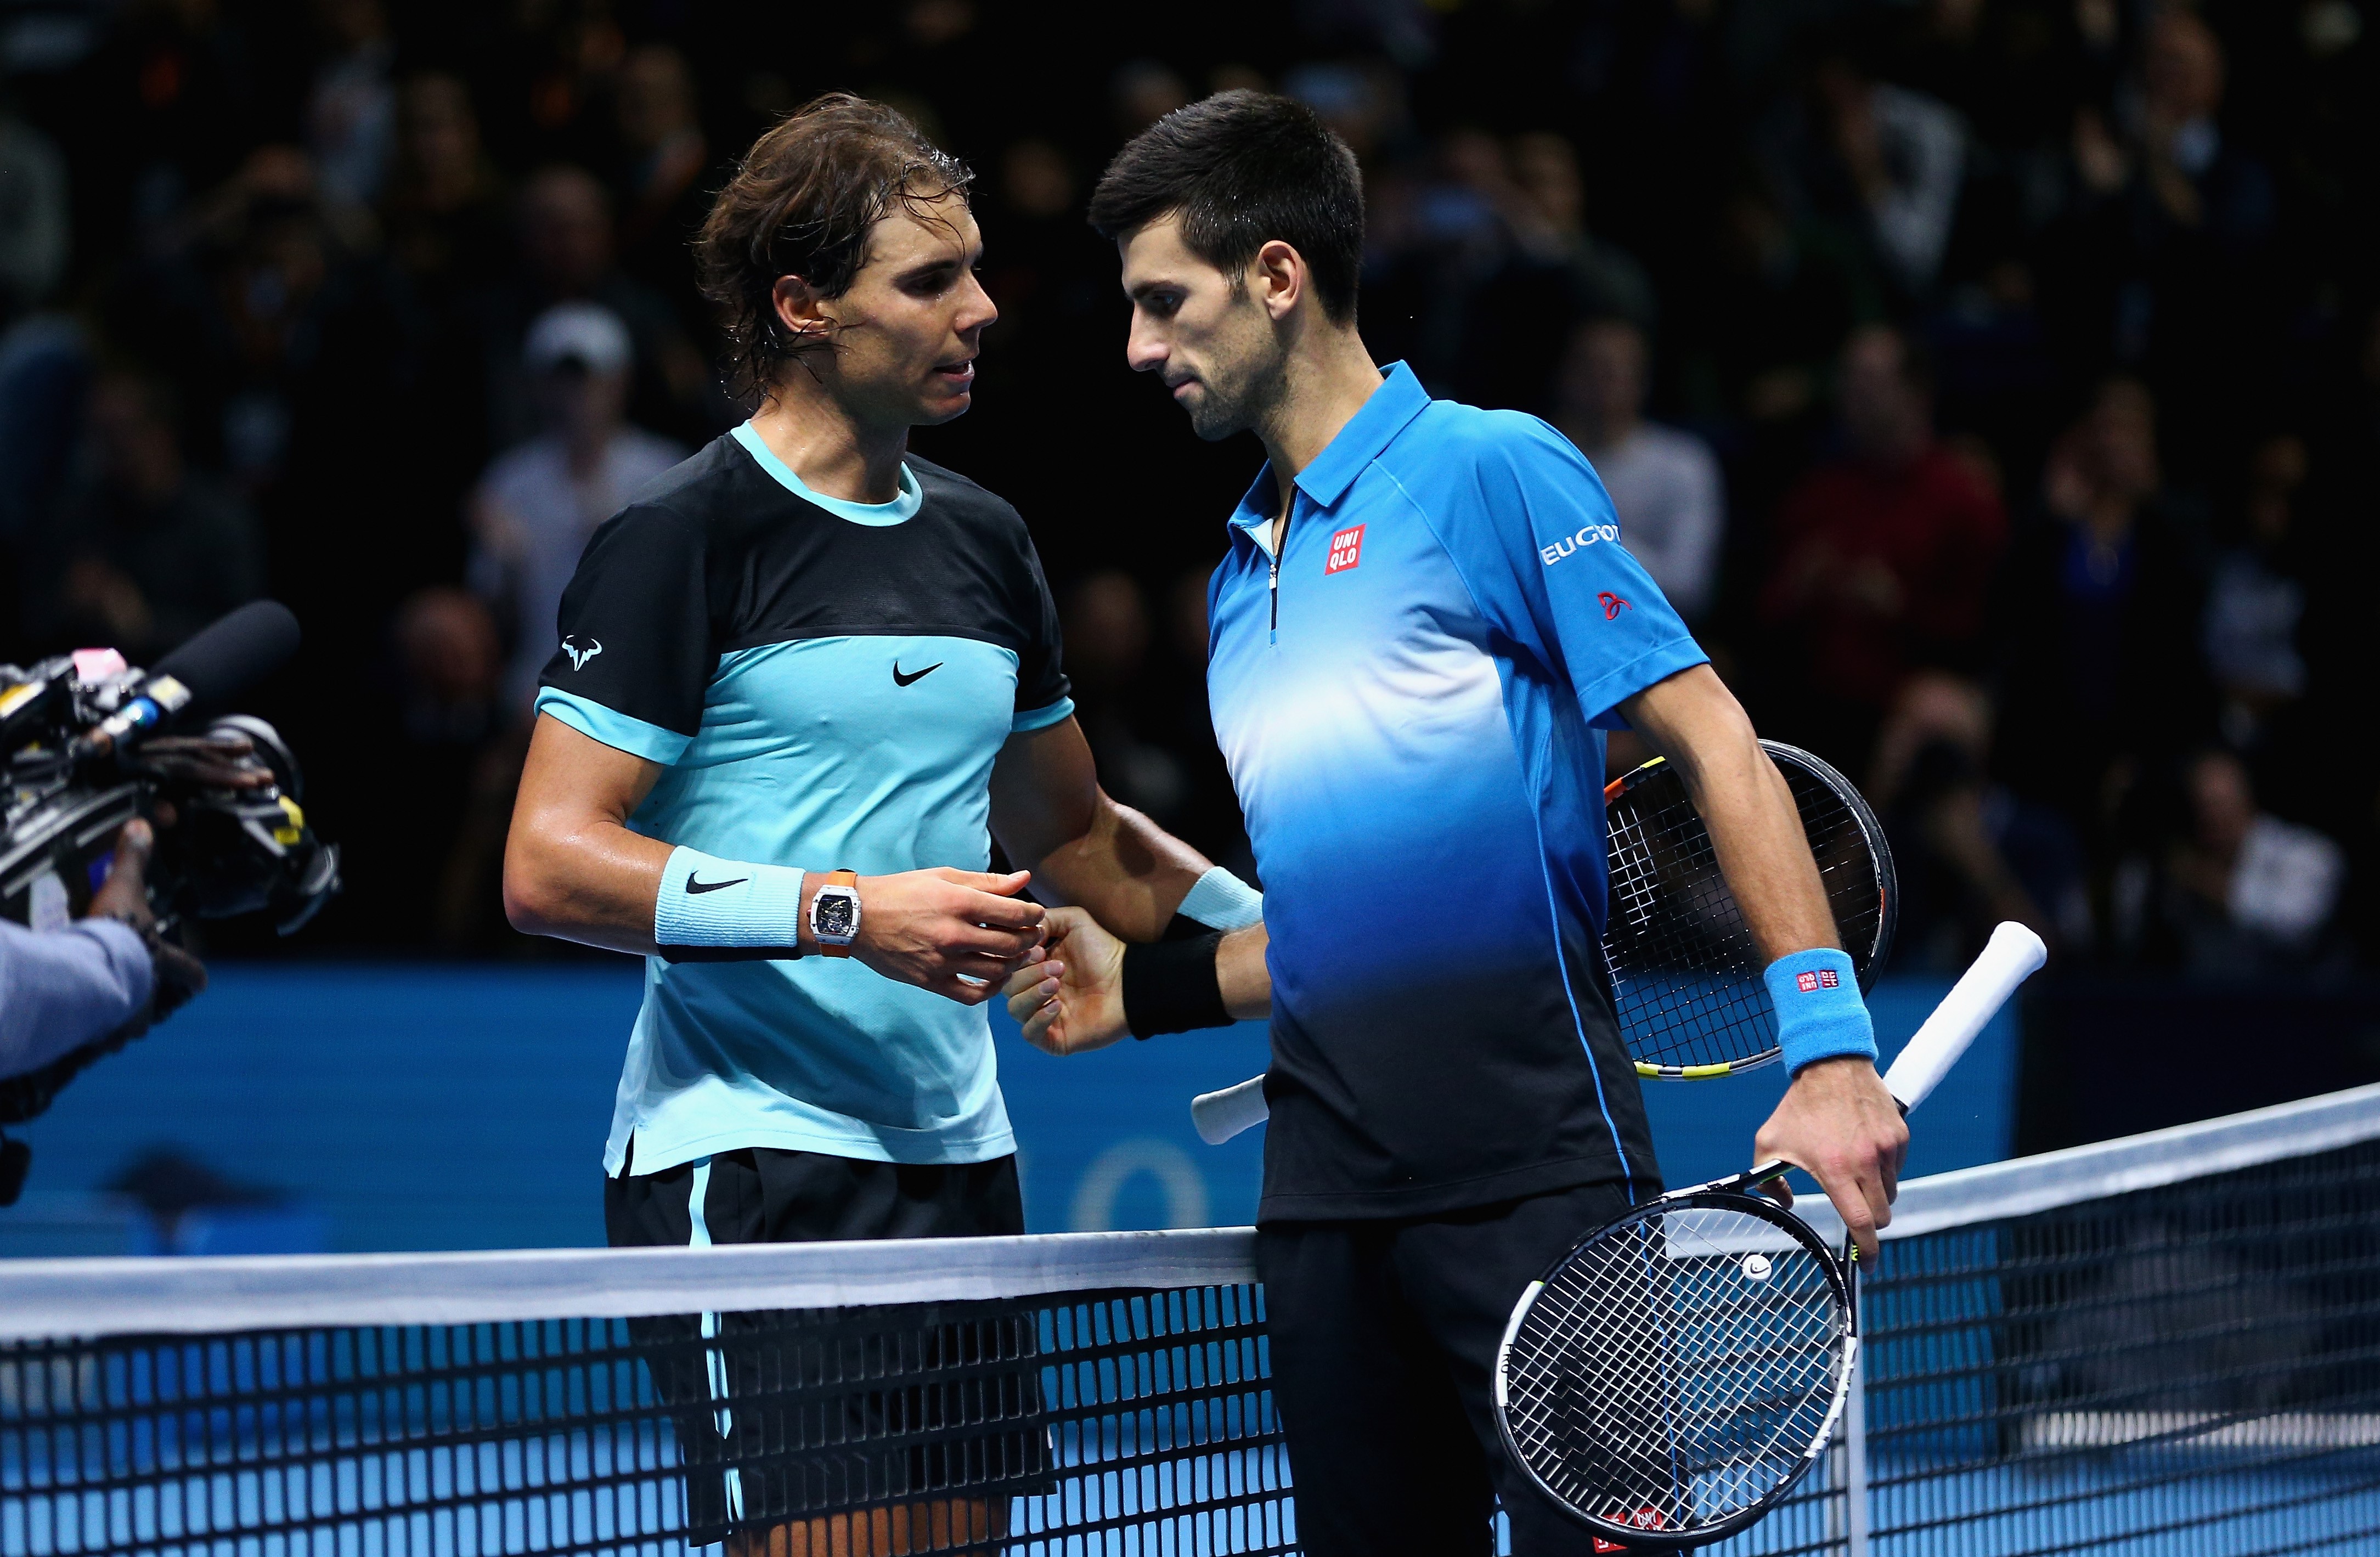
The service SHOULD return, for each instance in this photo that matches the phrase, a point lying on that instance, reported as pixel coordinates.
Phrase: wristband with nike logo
(711, 909)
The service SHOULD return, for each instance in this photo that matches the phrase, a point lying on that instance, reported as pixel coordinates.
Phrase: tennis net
(2168, 1343)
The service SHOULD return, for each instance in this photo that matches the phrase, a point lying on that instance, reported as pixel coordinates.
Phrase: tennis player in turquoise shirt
(1424, 623)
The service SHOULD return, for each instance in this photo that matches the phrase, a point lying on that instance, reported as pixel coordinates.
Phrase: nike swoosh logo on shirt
(693, 886)
(900, 680)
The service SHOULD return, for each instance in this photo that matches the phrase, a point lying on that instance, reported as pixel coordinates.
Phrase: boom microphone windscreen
(229, 655)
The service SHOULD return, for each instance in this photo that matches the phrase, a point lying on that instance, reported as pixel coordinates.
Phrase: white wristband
(1221, 901)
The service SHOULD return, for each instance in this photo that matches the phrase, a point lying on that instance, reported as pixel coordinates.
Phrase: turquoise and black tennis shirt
(828, 685)
(1412, 699)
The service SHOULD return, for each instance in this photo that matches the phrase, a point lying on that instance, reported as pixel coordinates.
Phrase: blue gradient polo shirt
(825, 684)
(1411, 697)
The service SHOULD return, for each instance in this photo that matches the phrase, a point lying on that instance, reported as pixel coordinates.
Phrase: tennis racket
(1685, 975)
(1683, 1367)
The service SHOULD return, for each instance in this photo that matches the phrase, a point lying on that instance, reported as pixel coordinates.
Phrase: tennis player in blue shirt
(1424, 624)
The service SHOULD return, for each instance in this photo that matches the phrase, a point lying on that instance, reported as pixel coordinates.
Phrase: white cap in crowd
(587, 334)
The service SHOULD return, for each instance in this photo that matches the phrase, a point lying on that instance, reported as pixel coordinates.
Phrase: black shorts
(798, 1413)
(1384, 1337)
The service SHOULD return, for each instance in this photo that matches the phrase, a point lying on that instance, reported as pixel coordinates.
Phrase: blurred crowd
(1995, 384)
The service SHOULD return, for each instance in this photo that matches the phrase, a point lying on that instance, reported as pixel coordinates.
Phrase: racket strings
(1685, 973)
(1676, 1371)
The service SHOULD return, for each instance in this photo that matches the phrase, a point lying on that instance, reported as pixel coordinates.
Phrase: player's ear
(801, 310)
(1277, 275)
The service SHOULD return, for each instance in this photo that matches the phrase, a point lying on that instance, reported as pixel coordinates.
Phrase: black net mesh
(2191, 1371)
(1023, 1426)
(1685, 975)
(1676, 1371)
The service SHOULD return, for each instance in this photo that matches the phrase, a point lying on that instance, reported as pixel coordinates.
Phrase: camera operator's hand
(124, 897)
(204, 762)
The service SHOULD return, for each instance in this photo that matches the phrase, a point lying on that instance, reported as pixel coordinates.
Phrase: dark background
(269, 265)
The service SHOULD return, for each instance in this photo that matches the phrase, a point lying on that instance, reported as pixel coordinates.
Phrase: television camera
(85, 747)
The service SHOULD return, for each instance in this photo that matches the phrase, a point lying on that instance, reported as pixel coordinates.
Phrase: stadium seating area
(1994, 383)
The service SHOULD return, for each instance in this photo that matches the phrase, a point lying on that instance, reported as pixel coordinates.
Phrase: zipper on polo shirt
(1281, 544)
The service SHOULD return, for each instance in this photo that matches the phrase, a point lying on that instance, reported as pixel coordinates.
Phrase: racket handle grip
(2007, 960)
(1221, 1116)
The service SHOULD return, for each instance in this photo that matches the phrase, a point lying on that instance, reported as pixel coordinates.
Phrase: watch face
(833, 915)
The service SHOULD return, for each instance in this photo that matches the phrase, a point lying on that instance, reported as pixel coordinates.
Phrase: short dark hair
(802, 202)
(1242, 168)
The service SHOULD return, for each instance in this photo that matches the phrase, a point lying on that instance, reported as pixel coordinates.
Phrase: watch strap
(841, 878)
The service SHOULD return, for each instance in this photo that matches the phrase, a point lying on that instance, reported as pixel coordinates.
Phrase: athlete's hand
(959, 934)
(1839, 1124)
(1074, 1001)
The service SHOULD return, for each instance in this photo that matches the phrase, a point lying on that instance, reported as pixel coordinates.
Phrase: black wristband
(1173, 986)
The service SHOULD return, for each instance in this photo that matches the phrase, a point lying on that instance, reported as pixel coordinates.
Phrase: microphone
(219, 661)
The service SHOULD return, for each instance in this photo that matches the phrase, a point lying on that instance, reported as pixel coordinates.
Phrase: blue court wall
(396, 1107)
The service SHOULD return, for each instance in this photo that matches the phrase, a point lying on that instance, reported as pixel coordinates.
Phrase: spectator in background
(1143, 91)
(433, 856)
(1665, 483)
(351, 112)
(2099, 618)
(2160, 253)
(1884, 556)
(662, 199)
(1106, 626)
(1767, 309)
(1970, 854)
(2242, 895)
(36, 234)
(2256, 600)
(539, 503)
(1551, 221)
(568, 255)
(1888, 162)
(444, 216)
(146, 552)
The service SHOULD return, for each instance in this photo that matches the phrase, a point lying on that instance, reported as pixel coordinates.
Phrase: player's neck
(836, 452)
(1327, 379)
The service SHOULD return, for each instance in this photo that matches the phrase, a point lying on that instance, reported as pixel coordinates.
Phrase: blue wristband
(1221, 901)
(1819, 1013)
(705, 901)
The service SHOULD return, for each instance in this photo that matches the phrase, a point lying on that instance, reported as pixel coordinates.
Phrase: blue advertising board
(410, 1107)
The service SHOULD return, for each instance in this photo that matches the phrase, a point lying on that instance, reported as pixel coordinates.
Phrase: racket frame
(1888, 893)
(1732, 1193)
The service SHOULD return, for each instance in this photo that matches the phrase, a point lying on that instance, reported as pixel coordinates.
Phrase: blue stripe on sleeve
(1031, 719)
(613, 728)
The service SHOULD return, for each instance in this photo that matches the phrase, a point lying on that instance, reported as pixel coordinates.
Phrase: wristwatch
(834, 913)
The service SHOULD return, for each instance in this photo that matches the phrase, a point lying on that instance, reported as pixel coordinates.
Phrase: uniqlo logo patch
(1805, 983)
(1643, 1519)
(1346, 550)
(1821, 978)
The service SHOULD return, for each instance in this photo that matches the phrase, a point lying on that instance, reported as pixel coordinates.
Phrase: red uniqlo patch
(1346, 550)
(1643, 1519)
(1805, 983)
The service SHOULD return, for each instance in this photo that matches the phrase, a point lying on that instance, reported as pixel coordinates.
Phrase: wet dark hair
(802, 202)
(1242, 169)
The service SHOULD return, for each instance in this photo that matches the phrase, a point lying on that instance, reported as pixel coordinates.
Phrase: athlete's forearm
(1247, 980)
(1052, 819)
(1124, 870)
(1692, 720)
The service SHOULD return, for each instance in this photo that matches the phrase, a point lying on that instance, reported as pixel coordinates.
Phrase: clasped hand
(959, 934)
